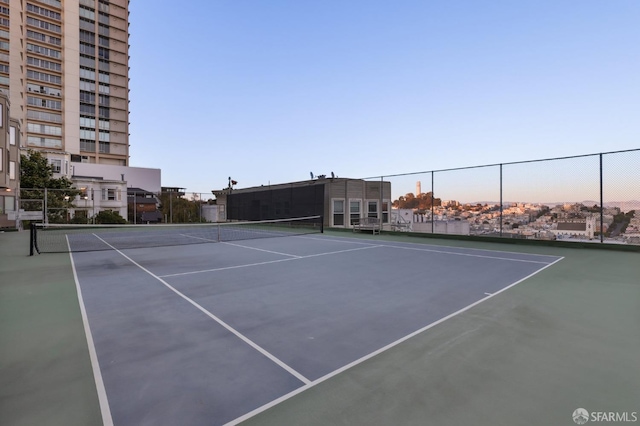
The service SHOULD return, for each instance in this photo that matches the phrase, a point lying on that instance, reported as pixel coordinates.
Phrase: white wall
(136, 177)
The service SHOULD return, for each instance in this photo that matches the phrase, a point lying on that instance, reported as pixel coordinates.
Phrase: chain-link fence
(592, 198)
(86, 205)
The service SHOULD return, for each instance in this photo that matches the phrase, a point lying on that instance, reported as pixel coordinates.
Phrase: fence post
(601, 203)
(32, 237)
(45, 216)
(380, 213)
(433, 199)
(501, 208)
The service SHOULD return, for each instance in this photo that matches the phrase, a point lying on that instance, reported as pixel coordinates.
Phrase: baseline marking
(216, 319)
(377, 352)
(93, 356)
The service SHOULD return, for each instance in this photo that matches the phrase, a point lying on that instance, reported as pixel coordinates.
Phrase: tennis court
(254, 330)
(206, 333)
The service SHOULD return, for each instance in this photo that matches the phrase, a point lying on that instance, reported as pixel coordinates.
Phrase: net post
(321, 224)
(32, 237)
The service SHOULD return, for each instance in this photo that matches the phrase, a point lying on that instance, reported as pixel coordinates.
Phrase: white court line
(379, 351)
(93, 356)
(238, 245)
(259, 249)
(264, 263)
(467, 254)
(351, 240)
(216, 319)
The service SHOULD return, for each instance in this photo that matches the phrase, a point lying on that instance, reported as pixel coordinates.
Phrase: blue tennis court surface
(209, 333)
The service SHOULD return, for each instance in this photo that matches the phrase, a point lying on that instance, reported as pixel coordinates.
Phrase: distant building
(175, 190)
(143, 206)
(408, 220)
(341, 201)
(581, 228)
(107, 187)
(9, 165)
(65, 67)
(96, 195)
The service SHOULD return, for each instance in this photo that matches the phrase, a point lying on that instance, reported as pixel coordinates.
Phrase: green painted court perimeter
(566, 338)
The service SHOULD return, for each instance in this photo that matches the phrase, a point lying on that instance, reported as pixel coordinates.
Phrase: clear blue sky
(268, 91)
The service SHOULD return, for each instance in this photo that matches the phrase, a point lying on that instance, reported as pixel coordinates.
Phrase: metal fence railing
(116, 205)
(594, 198)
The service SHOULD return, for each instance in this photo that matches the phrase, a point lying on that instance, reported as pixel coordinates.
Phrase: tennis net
(62, 238)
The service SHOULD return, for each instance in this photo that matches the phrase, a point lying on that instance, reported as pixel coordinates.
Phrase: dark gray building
(341, 201)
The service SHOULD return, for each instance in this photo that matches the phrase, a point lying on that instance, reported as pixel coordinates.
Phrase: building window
(87, 97)
(1, 161)
(42, 76)
(372, 209)
(104, 147)
(87, 109)
(87, 122)
(109, 194)
(87, 73)
(9, 204)
(12, 170)
(354, 211)
(385, 212)
(338, 212)
(45, 116)
(87, 134)
(56, 165)
(43, 142)
(43, 128)
(89, 146)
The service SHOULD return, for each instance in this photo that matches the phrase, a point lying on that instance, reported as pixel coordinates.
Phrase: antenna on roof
(311, 173)
(332, 175)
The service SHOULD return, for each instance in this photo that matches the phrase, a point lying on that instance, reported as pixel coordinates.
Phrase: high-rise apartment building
(65, 67)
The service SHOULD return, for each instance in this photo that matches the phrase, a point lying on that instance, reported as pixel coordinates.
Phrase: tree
(178, 209)
(422, 202)
(109, 216)
(36, 180)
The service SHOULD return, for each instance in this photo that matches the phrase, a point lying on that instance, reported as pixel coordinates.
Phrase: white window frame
(9, 203)
(359, 212)
(387, 211)
(56, 165)
(333, 212)
(377, 212)
(106, 194)
(12, 170)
